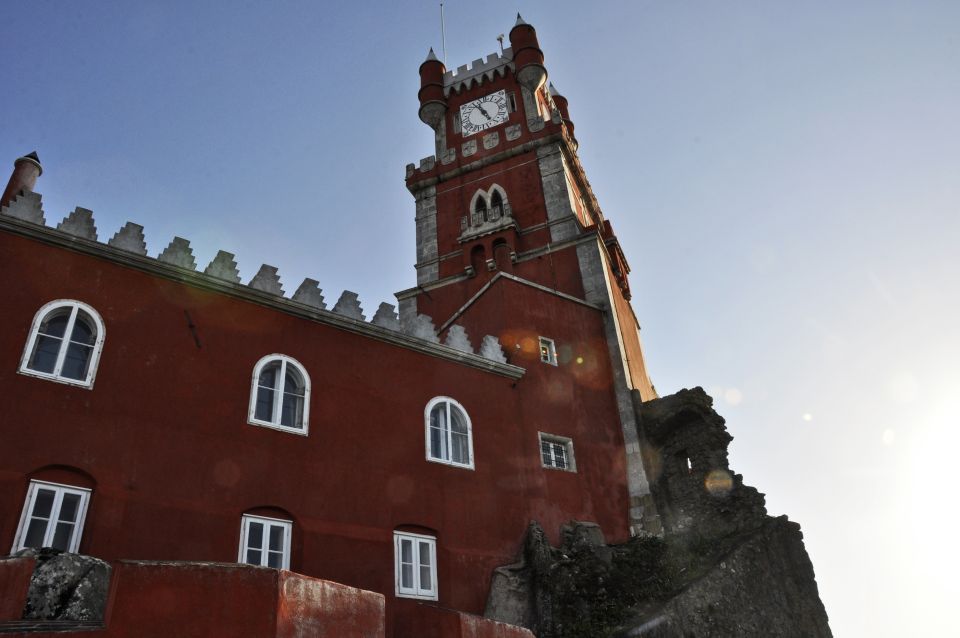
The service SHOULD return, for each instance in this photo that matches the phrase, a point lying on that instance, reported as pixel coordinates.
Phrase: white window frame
(426, 429)
(551, 357)
(28, 505)
(266, 521)
(278, 394)
(55, 376)
(416, 591)
(565, 442)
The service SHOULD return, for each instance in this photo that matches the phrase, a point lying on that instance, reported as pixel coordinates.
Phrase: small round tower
(26, 170)
(433, 104)
(527, 56)
(564, 108)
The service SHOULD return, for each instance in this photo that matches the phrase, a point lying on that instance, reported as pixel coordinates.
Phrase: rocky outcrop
(722, 567)
(66, 586)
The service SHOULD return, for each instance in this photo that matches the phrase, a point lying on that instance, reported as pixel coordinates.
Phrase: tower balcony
(486, 221)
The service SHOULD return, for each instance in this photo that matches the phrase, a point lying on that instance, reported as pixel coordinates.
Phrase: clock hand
(485, 114)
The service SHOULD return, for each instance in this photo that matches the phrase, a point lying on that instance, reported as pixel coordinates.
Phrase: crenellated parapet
(477, 72)
(78, 231)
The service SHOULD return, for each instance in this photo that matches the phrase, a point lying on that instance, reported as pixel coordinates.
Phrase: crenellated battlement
(78, 231)
(478, 71)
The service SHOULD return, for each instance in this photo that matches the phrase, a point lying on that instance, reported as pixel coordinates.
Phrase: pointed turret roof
(553, 91)
(431, 57)
(520, 21)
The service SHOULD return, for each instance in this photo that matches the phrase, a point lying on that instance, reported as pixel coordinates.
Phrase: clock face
(484, 113)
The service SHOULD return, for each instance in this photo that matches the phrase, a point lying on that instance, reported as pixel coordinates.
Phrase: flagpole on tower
(443, 35)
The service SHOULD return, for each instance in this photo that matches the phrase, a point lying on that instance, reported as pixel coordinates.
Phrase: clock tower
(511, 242)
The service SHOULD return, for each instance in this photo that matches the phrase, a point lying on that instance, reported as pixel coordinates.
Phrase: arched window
(496, 206)
(65, 342)
(448, 433)
(480, 211)
(280, 394)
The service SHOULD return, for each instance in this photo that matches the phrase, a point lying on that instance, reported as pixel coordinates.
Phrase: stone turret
(433, 104)
(26, 170)
(527, 55)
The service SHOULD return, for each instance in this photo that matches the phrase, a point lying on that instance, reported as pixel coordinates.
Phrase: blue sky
(782, 176)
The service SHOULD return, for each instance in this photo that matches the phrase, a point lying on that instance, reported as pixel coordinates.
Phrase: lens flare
(718, 483)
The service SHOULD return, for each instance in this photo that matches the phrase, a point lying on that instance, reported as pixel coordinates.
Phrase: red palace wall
(163, 440)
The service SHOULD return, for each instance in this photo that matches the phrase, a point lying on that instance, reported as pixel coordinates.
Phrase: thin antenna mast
(443, 35)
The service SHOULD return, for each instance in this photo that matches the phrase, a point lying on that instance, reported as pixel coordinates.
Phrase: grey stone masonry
(348, 305)
(457, 339)
(448, 156)
(421, 327)
(267, 280)
(179, 253)
(386, 317)
(490, 349)
(597, 288)
(513, 132)
(26, 207)
(469, 148)
(560, 215)
(490, 140)
(428, 269)
(130, 238)
(534, 121)
(79, 223)
(223, 266)
(427, 163)
(309, 294)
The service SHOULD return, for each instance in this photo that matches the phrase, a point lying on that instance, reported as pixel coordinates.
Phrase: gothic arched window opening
(448, 433)
(280, 394)
(65, 343)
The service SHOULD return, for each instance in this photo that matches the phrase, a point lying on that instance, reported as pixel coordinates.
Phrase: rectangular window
(52, 516)
(548, 351)
(456, 123)
(512, 101)
(416, 565)
(557, 452)
(265, 541)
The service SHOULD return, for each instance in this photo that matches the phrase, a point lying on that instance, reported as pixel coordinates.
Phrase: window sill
(50, 377)
(462, 466)
(280, 428)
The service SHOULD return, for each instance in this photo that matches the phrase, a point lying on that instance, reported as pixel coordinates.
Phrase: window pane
(291, 413)
(61, 538)
(83, 329)
(275, 560)
(43, 503)
(253, 556)
(76, 362)
(560, 455)
(292, 383)
(424, 553)
(406, 576)
(35, 533)
(69, 507)
(458, 422)
(461, 448)
(268, 376)
(44, 355)
(255, 535)
(425, 581)
(264, 409)
(546, 452)
(55, 324)
(406, 551)
(438, 435)
(276, 538)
